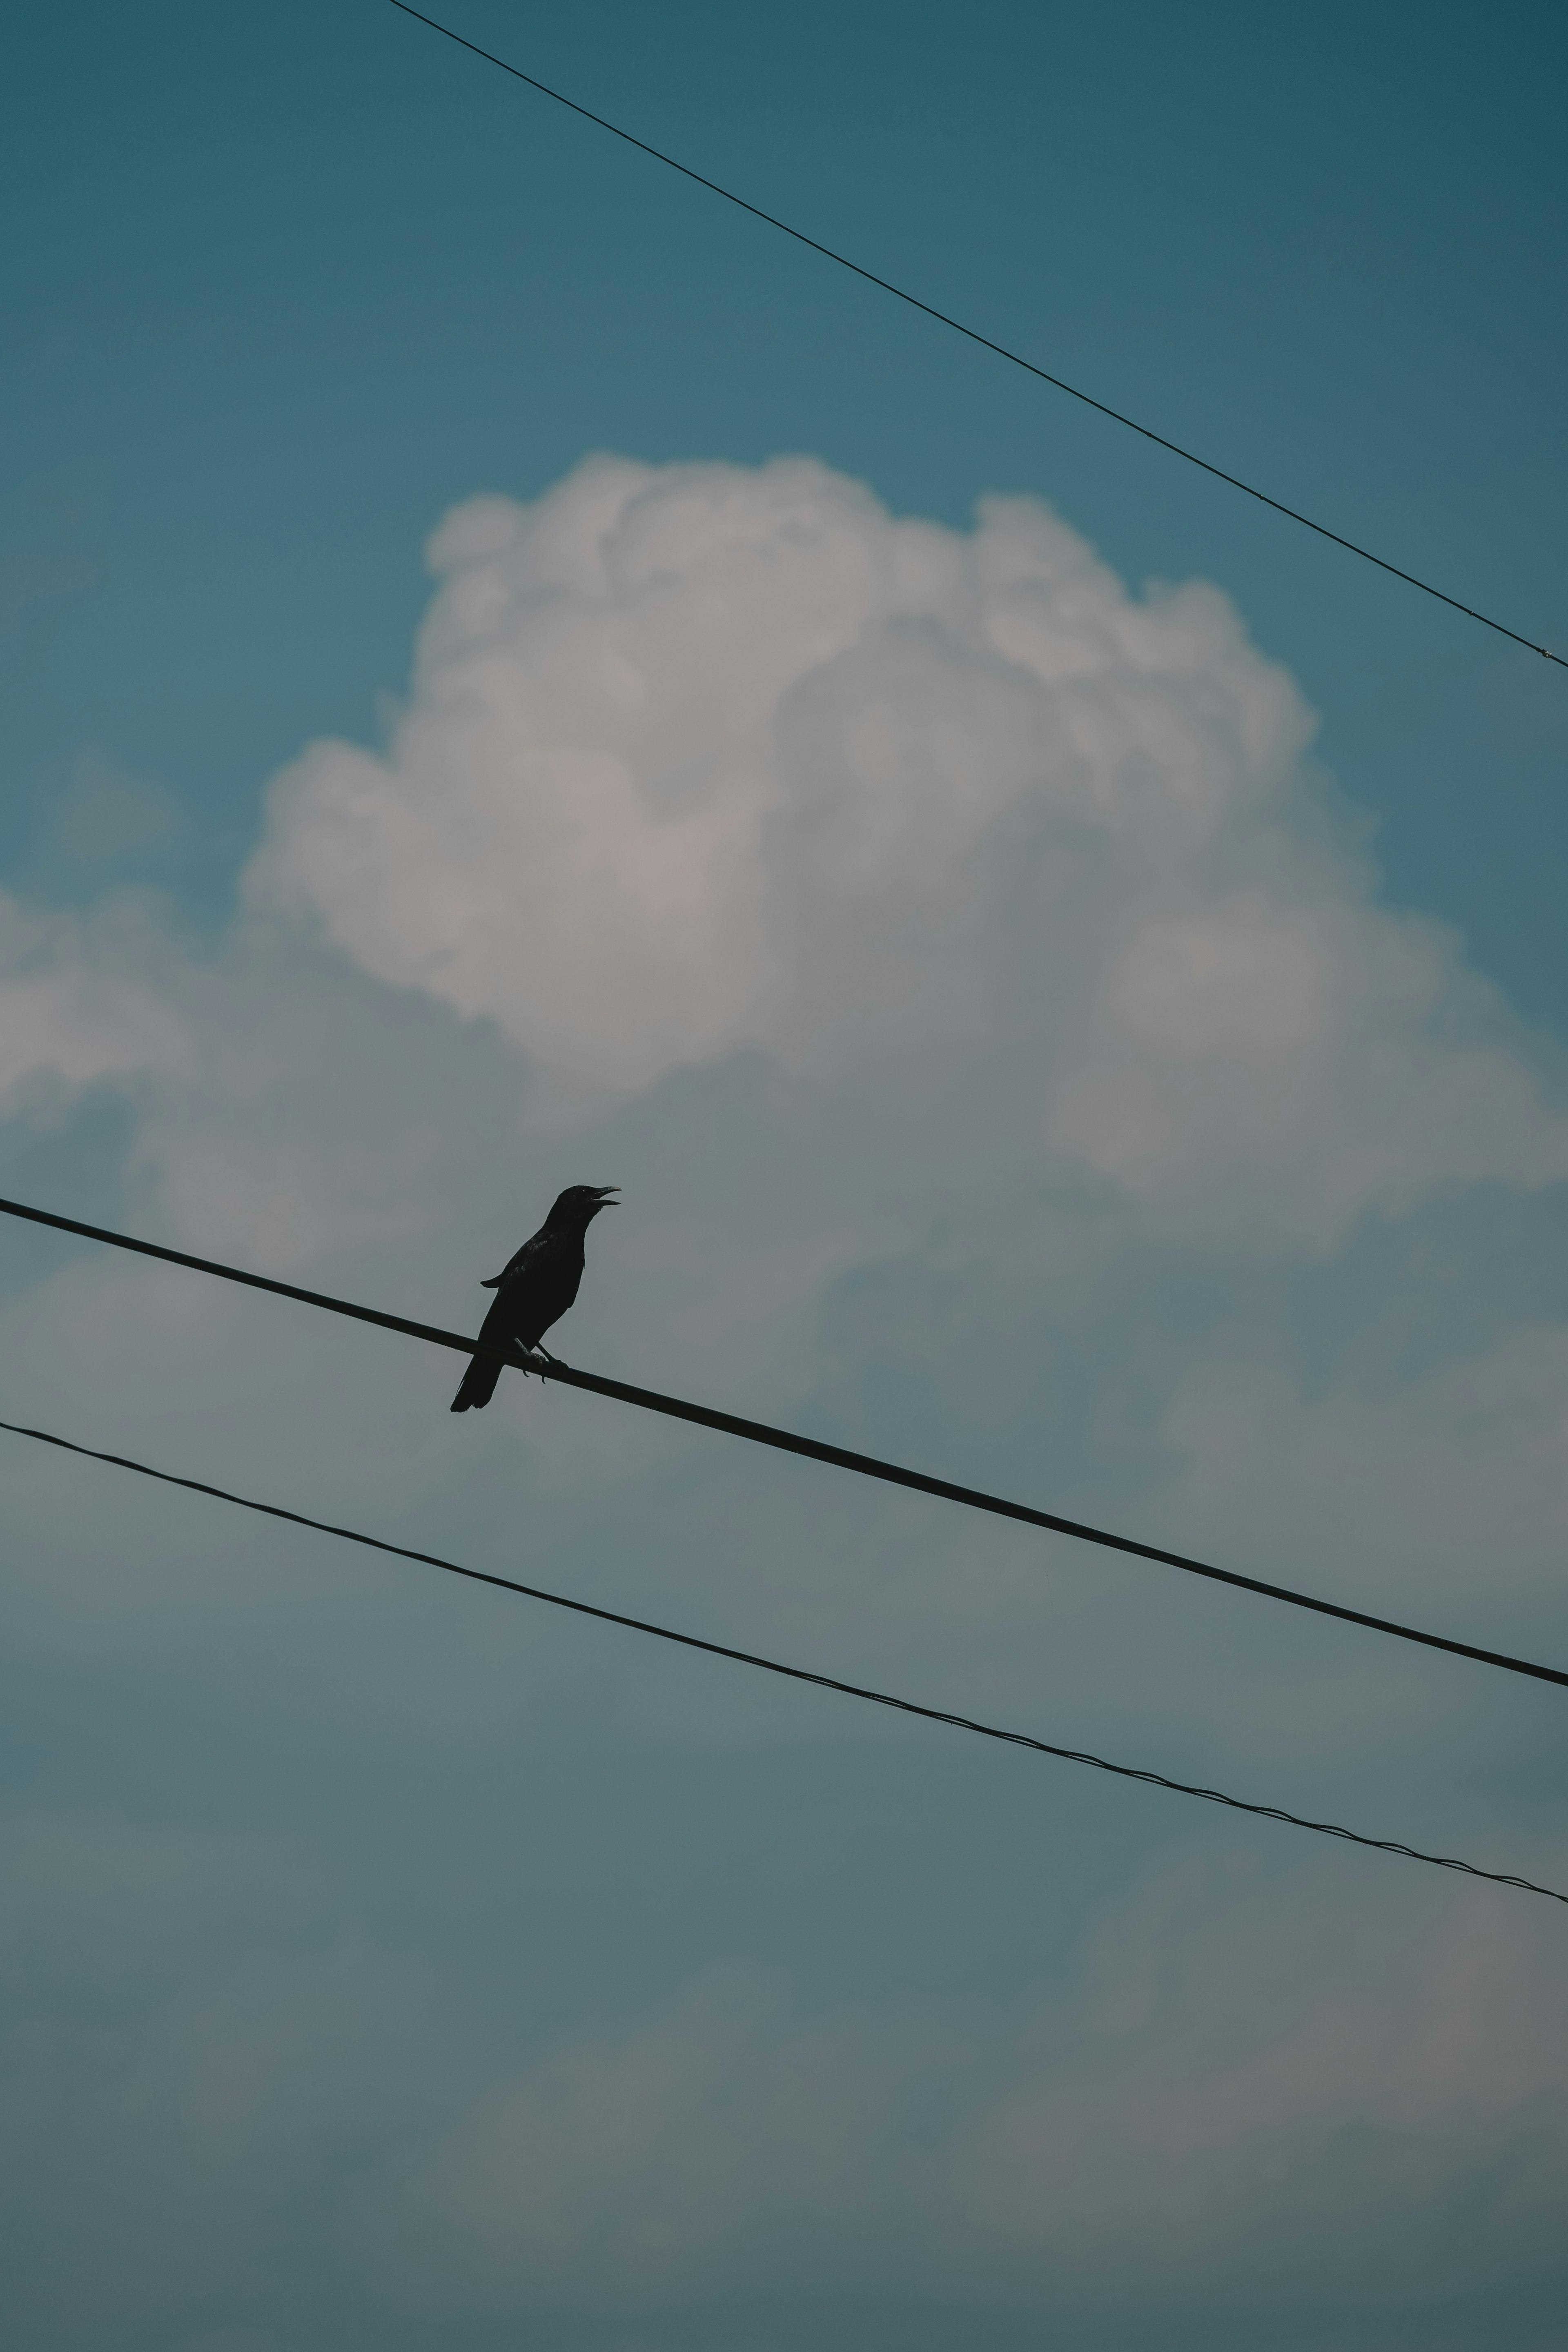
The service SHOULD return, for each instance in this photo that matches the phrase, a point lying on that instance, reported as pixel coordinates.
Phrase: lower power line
(794, 1673)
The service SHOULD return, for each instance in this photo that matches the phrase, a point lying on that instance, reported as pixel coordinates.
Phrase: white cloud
(697, 757)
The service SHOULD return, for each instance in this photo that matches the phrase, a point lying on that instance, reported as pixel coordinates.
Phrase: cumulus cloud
(698, 758)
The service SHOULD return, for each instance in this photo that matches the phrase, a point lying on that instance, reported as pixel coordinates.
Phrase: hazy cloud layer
(1237, 2072)
(1226, 2076)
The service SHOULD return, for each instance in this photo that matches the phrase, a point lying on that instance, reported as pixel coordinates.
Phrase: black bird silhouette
(533, 1291)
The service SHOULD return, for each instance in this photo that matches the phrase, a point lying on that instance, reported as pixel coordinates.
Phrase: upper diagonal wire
(794, 1673)
(972, 334)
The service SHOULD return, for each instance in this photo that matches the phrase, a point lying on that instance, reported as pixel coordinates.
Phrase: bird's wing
(516, 1265)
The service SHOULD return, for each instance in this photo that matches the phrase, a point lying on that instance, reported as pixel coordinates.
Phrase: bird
(533, 1291)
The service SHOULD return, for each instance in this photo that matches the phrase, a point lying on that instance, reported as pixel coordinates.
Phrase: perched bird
(533, 1291)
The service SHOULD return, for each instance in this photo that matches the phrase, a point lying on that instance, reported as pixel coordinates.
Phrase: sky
(516, 674)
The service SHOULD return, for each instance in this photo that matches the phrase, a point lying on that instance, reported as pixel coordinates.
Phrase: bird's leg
(540, 1350)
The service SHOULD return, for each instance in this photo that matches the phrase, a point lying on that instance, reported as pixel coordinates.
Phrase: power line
(973, 336)
(761, 1433)
(794, 1673)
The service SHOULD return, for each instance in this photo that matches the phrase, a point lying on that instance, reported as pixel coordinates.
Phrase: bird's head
(581, 1203)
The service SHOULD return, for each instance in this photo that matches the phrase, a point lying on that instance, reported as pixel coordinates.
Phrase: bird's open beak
(604, 1192)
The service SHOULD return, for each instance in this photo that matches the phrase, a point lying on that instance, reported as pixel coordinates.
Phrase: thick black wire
(794, 1673)
(760, 1433)
(972, 334)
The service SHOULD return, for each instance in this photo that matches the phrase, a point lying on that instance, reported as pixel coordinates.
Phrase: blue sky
(1098, 1039)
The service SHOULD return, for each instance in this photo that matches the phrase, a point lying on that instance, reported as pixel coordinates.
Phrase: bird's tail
(479, 1383)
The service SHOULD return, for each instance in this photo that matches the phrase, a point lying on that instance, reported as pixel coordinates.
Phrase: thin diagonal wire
(973, 335)
(794, 1673)
(783, 1441)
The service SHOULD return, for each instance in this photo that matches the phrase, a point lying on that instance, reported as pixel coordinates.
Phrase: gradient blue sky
(302, 1885)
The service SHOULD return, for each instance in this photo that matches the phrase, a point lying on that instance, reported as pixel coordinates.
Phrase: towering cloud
(697, 758)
